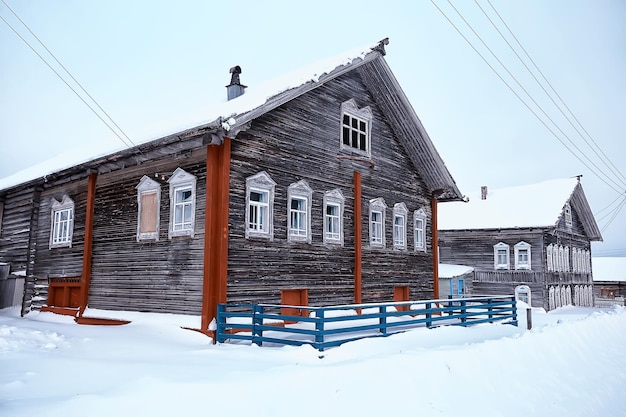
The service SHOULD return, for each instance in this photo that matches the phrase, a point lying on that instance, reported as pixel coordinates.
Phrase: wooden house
(609, 281)
(537, 235)
(321, 191)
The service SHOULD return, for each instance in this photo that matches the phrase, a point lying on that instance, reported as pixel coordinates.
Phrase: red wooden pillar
(87, 246)
(215, 231)
(435, 247)
(357, 239)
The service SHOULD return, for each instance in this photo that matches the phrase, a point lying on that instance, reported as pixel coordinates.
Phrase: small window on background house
(549, 258)
(399, 225)
(299, 197)
(567, 210)
(501, 256)
(377, 210)
(148, 209)
(182, 203)
(522, 256)
(355, 127)
(333, 217)
(259, 206)
(419, 226)
(62, 223)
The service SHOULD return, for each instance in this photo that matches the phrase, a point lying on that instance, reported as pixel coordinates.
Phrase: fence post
(319, 329)
(429, 315)
(257, 321)
(529, 318)
(382, 310)
(463, 311)
(221, 324)
(490, 309)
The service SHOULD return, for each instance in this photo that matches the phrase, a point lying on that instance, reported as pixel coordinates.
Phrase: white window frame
(549, 258)
(182, 181)
(260, 183)
(419, 230)
(501, 246)
(567, 213)
(299, 219)
(61, 237)
(377, 206)
(148, 186)
(364, 115)
(519, 249)
(333, 198)
(400, 213)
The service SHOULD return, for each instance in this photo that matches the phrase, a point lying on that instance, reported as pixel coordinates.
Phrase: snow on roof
(609, 269)
(254, 97)
(535, 205)
(452, 271)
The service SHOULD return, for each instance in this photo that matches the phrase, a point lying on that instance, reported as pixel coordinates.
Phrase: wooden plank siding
(301, 140)
(15, 226)
(164, 275)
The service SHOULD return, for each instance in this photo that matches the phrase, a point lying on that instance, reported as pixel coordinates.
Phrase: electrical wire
(599, 152)
(127, 142)
(615, 188)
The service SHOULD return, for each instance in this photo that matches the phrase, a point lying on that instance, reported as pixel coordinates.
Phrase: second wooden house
(537, 235)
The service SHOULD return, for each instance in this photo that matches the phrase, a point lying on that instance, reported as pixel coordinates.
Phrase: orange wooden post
(87, 245)
(357, 239)
(214, 286)
(435, 247)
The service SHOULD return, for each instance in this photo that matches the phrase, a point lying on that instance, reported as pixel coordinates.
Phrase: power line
(615, 213)
(522, 100)
(603, 157)
(124, 141)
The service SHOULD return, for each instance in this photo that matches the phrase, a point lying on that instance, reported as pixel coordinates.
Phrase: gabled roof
(534, 205)
(227, 118)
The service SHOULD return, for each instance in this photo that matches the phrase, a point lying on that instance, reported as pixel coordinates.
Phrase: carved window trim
(299, 196)
(182, 204)
(400, 213)
(356, 128)
(523, 260)
(377, 209)
(501, 256)
(61, 223)
(419, 230)
(148, 190)
(333, 222)
(256, 225)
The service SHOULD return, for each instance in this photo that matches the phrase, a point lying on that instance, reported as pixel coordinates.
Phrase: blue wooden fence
(324, 327)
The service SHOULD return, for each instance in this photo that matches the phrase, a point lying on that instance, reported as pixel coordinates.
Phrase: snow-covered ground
(572, 363)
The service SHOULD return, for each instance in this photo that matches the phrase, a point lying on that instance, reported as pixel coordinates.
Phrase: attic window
(355, 128)
(568, 215)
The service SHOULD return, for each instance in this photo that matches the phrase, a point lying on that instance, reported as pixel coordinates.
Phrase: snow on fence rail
(324, 327)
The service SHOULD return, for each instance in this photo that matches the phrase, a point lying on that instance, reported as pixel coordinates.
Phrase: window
(259, 206)
(62, 226)
(299, 222)
(148, 209)
(567, 211)
(419, 225)
(399, 225)
(182, 203)
(377, 222)
(522, 256)
(333, 217)
(501, 256)
(549, 258)
(355, 127)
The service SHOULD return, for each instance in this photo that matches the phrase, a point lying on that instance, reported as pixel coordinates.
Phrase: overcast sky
(147, 62)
